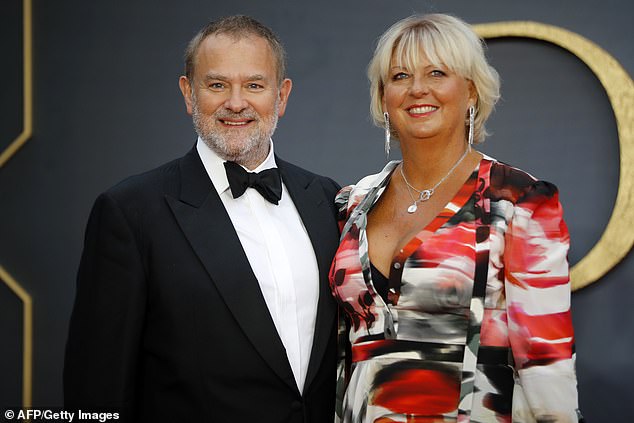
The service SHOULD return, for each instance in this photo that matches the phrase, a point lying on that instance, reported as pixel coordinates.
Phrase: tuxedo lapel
(317, 216)
(206, 224)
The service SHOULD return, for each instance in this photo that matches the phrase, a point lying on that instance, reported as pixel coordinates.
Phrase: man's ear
(285, 92)
(186, 89)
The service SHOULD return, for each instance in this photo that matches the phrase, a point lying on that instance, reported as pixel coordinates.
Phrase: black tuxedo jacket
(169, 323)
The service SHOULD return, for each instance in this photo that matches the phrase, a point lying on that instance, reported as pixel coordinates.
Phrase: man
(202, 293)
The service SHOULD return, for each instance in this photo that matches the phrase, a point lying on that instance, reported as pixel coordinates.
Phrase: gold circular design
(618, 237)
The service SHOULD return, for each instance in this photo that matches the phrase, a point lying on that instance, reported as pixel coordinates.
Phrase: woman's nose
(419, 87)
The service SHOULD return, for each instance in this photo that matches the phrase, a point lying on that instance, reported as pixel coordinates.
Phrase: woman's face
(427, 101)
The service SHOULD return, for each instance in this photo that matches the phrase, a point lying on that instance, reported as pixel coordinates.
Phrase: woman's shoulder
(516, 185)
(351, 195)
(376, 179)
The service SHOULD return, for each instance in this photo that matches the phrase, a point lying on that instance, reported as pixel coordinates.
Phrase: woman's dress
(474, 324)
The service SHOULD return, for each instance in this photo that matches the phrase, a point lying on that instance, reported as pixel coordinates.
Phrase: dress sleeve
(537, 288)
(343, 345)
(343, 364)
(341, 204)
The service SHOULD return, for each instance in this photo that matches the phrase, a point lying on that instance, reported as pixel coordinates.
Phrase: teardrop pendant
(412, 209)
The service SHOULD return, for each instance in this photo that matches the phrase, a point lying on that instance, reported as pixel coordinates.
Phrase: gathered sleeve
(343, 345)
(537, 289)
(341, 205)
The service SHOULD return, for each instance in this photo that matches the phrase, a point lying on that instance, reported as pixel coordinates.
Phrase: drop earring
(471, 123)
(386, 116)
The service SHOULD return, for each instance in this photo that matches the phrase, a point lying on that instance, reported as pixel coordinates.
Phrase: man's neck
(255, 158)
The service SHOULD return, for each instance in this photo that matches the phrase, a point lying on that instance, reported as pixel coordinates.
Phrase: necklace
(426, 194)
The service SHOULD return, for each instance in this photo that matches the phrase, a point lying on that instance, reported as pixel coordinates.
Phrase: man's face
(234, 97)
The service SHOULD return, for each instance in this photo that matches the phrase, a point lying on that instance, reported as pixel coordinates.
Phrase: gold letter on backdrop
(618, 237)
(27, 128)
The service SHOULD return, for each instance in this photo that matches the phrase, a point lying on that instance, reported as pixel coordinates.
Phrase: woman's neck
(427, 161)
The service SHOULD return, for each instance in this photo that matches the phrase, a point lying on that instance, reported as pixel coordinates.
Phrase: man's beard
(248, 148)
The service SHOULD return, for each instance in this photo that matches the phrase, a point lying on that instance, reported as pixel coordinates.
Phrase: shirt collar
(214, 165)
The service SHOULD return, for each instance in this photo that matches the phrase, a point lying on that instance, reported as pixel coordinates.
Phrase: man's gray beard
(250, 151)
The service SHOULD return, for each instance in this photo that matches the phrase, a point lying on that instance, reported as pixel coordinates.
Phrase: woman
(452, 268)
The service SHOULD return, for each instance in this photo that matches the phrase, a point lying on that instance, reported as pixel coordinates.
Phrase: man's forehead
(230, 56)
(221, 38)
(248, 48)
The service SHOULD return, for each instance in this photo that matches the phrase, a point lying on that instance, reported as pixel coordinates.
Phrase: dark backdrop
(107, 105)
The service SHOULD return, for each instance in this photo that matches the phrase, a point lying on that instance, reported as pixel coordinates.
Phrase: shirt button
(397, 265)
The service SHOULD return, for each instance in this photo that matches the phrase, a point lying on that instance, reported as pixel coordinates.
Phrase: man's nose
(236, 101)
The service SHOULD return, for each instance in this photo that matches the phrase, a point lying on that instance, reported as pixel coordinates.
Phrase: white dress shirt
(281, 255)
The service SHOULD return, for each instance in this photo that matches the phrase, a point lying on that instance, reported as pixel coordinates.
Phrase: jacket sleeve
(101, 361)
(538, 305)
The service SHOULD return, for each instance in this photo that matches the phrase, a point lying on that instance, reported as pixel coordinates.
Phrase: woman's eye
(399, 75)
(437, 72)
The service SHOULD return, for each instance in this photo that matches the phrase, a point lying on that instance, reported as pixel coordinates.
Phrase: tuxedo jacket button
(296, 406)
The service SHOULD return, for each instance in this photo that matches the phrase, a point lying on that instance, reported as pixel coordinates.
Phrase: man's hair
(238, 27)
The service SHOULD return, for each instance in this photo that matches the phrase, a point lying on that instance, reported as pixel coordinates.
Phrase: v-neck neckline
(453, 206)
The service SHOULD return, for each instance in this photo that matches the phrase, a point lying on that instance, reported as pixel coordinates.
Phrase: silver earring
(471, 120)
(386, 116)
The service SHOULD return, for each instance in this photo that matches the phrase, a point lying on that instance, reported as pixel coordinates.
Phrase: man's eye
(254, 86)
(216, 85)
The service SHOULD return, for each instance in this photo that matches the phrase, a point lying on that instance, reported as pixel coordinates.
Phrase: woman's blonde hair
(444, 40)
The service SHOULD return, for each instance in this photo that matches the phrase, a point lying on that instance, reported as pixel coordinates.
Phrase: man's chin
(231, 150)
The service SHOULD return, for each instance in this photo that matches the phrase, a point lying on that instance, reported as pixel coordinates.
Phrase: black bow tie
(268, 182)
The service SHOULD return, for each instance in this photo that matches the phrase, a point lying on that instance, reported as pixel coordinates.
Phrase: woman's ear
(473, 94)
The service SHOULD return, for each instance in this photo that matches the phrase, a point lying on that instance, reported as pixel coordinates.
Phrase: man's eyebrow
(220, 77)
(216, 77)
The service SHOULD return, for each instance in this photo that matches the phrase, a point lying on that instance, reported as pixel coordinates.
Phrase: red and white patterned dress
(476, 325)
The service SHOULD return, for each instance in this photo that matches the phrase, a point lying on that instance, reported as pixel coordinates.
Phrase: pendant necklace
(426, 194)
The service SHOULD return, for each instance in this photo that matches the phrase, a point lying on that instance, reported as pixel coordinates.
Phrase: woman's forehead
(410, 60)
(415, 52)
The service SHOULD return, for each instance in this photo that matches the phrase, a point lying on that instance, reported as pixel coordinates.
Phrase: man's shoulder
(306, 175)
(153, 183)
(149, 180)
(293, 168)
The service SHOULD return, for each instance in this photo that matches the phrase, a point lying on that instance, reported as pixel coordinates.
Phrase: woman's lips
(421, 110)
